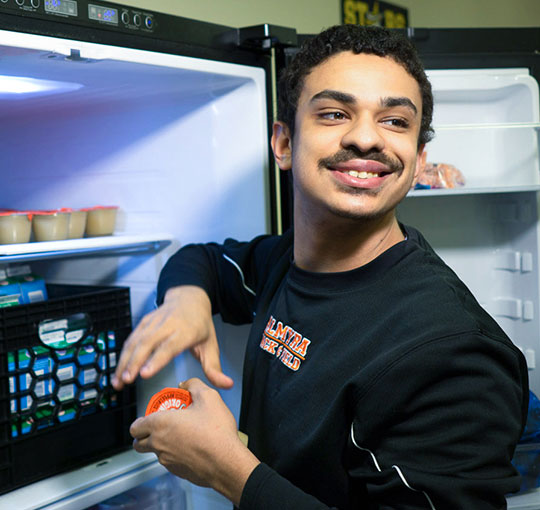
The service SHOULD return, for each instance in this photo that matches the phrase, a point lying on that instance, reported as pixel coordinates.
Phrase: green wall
(309, 16)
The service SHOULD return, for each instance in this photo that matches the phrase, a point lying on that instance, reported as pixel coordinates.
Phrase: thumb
(208, 355)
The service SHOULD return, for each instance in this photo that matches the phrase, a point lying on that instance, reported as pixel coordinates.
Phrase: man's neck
(343, 245)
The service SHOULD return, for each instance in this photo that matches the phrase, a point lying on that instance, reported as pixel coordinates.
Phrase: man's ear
(421, 157)
(282, 145)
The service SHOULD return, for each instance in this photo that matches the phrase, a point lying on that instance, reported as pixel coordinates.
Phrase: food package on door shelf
(439, 176)
(19, 286)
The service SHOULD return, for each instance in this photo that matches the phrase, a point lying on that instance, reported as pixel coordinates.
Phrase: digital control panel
(86, 12)
(105, 14)
(66, 7)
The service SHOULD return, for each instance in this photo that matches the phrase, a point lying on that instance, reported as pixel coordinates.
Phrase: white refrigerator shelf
(87, 486)
(83, 247)
(472, 190)
(527, 501)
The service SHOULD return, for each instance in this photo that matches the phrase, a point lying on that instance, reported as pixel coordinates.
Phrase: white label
(66, 392)
(52, 337)
(74, 336)
(36, 296)
(89, 376)
(51, 326)
(65, 372)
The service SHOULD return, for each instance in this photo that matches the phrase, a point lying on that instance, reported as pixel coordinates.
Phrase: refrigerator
(163, 117)
(169, 120)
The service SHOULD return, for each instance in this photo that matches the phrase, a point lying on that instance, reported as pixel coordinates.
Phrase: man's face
(354, 151)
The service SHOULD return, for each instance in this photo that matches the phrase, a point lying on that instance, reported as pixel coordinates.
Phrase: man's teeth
(362, 175)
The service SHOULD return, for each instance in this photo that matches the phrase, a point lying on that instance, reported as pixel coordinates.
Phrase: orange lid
(168, 398)
(49, 212)
(97, 207)
(12, 212)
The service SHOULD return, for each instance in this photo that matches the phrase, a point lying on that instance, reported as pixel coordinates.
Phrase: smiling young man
(354, 158)
(372, 377)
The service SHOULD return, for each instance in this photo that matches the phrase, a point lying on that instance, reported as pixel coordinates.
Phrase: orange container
(168, 398)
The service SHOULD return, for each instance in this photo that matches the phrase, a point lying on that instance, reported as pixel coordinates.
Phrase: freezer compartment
(56, 361)
(487, 125)
(172, 141)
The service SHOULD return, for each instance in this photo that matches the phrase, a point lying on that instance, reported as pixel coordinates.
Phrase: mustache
(345, 155)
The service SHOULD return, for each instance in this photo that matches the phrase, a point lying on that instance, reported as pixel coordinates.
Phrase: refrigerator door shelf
(84, 487)
(495, 125)
(527, 501)
(115, 244)
(472, 191)
(489, 155)
(484, 95)
(487, 125)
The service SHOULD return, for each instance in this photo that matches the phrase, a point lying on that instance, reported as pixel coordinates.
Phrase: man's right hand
(183, 321)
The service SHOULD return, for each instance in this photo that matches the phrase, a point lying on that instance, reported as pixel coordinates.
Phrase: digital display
(65, 7)
(105, 14)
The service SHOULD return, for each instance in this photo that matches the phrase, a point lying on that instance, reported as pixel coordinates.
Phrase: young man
(372, 377)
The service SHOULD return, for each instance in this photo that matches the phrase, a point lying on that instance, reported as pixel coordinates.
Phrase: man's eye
(397, 122)
(333, 115)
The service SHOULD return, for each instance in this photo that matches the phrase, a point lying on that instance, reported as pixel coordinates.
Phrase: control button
(125, 17)
(137, 20)
(149, 22)
(3, 1)
(35, 3)
(19, 2)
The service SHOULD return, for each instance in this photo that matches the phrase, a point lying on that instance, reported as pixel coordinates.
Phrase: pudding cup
(50, 225)
(101, 220)
(15, 227)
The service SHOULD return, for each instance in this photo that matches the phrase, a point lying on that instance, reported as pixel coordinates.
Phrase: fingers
(148, 349)
(208, 355)
(193, 385)
(140, 428)
(183, 321)
(163, 353)
(122, 374)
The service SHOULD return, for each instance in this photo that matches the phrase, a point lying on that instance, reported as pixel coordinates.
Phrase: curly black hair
(358, 39)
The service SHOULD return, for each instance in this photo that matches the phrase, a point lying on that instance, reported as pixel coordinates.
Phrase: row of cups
(17, 226)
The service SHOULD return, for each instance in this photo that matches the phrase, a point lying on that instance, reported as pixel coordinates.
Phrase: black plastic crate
(58, 410)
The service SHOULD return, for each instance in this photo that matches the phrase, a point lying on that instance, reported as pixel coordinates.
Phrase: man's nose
(364, 134)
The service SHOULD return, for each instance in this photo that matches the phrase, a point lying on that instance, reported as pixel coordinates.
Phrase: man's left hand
(199, 443)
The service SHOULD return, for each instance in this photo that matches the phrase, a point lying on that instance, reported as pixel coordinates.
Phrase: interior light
(19, 86)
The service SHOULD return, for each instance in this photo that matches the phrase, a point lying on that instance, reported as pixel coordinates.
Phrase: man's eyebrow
(336, 95)
(343, 97)
(391, 102)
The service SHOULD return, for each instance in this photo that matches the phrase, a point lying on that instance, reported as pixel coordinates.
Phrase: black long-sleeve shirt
(385, 387)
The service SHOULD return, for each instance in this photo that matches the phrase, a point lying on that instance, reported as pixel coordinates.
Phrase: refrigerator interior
(179, 144)
(486, 124)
